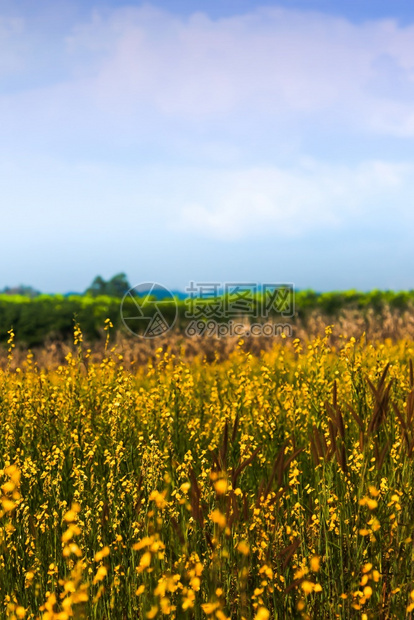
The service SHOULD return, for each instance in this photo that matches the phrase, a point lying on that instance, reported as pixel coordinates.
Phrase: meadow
(270, 485)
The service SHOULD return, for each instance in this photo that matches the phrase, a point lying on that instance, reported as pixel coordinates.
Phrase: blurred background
(202, 140)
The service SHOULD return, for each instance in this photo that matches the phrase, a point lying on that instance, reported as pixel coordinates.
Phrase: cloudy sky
(212, 140)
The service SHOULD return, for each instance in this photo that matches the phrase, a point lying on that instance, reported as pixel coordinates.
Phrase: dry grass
(389, 324)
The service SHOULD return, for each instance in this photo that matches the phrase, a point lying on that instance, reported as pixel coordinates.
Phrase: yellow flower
(221, 486)
(188, 600)
(217, 517)
(8, 487)
(159, 499)
(315, 563)
(209, 608)
(221, 616)
(198, 569)
(145, 542)
(67, 536)
(367, 591)
(14, 473)
(243, 548)
(72, 514)
(368, 501)
(262, 614)
(145, 561)
(152, 612)
(101, 573)
(195, 583)
(101, 554)
(307, 586)
(7, 504)
(165, 605)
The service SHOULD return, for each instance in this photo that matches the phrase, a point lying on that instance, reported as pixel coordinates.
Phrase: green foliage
(117, 286)
(37, 319)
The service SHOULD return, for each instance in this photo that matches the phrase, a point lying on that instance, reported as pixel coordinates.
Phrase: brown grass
(389, 324)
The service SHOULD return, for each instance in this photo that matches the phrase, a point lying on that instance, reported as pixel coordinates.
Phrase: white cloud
(136, 79)
(130, 69)
(274, 62)
(65, 201)
(296, 203)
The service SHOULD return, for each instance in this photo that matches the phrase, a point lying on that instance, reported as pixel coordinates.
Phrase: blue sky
(208, 141)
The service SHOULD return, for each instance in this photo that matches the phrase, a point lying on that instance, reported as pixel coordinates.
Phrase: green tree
(97, 287)
(117, 286)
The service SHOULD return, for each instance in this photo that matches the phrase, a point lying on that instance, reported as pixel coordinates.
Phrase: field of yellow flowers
(272, 486)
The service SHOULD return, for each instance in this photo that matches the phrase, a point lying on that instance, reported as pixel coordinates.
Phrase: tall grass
(271, 486)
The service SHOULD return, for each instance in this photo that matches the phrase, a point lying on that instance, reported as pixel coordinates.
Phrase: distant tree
(117, 286)
(26, 291)
(97, 287)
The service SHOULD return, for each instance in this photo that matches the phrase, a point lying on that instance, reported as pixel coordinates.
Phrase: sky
(207, 141)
